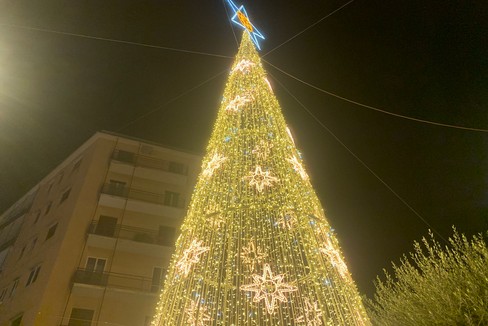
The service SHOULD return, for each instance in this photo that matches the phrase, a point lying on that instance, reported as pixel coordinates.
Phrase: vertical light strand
(255, 247)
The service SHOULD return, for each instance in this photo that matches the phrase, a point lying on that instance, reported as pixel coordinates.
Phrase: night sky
(424, 59)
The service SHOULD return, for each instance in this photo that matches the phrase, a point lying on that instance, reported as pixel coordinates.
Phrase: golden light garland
(255, 246)
(269, 287)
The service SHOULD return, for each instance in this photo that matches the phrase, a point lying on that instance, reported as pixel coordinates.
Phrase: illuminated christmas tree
(255, 247)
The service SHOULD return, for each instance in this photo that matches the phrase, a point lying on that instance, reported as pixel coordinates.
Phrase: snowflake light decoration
(260, 179)
(252, 255)
(298, 167)
(197, 316)
(268, 83)
(191, 256)
(269, 287)
(236, 104)
(311, 314)
(262, 150)
(287, 220)
(243, 66)
(288, 131)
(334, 257)
(214, 163)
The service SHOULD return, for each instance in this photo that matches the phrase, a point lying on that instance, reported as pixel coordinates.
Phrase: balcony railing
(132, 233)
(168, 199)
(117, 280)
(150, 162)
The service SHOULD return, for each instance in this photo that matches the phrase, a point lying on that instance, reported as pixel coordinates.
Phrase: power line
(306, 29)
(171, 100)
(360, 160)
(115, 40)
(375, 108)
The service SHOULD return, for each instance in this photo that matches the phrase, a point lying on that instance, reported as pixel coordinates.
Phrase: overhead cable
(360, 160)
(375, 108)
(115, 40)
(171, 100)
(306, 29)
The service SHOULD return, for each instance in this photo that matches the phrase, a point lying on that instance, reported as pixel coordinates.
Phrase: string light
(260, 179)
(244, 66)
(269, 287)
(213, 164)
(191, 256)
(311, 314)
(255, 242)
(197, 315)
(298, 167)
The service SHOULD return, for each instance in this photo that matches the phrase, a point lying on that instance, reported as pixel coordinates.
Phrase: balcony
(117, 280)
(169, 198)
(136, 234)
(150, 162)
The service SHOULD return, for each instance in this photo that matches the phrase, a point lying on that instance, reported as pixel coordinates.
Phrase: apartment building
(89, 245)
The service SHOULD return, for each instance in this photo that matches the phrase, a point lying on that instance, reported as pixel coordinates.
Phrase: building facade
(89, 245)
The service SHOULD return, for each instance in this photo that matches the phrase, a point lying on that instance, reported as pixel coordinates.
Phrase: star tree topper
(241, 19)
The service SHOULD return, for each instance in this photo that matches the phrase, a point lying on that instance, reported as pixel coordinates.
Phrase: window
(50, 187)
(33, 275)
(51, 231)
(36, 219)
(17, 321)
(65, 196)
(106, 226)
(48, 208)
(157, 278)
(166, 236)
(124, 156)
(176, 167)
(80, 317)
(14, 287)
(2, 294)
(171, 198)
(95, 265)
(76, 166)
(117, 187)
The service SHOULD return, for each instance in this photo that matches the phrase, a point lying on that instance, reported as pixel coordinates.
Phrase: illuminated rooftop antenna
(241, 19)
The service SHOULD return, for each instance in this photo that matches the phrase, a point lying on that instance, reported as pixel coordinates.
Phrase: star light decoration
(268, 83)
(311, 314)
(298, 167)
(262, 150)
(260, 179)
(236, 104)
(214, 163)
(335, 258)
(269, 287)
(243, 66)
(215, 219)
(241, 19)
(197, 315)
(252, 255)
(191, 256)
(287, 221)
